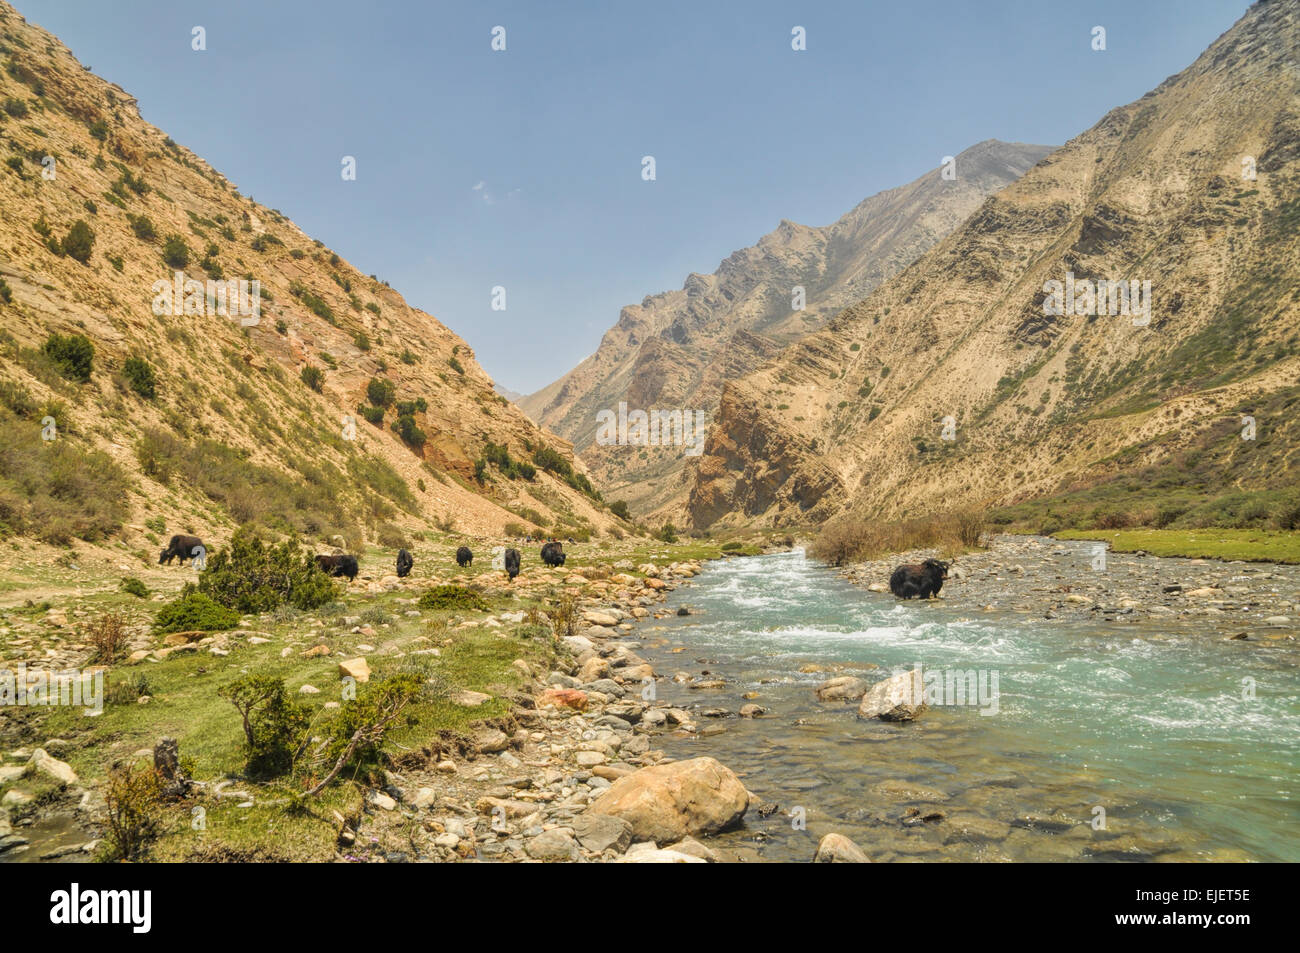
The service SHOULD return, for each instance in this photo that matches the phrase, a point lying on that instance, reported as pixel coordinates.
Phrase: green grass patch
(1227, 544)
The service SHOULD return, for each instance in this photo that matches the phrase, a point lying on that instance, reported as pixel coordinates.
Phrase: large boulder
(899, 698)
(667, 802)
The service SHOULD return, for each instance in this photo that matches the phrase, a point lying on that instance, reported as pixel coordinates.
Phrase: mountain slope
(246, 421)
(675, 350)
(853, 417)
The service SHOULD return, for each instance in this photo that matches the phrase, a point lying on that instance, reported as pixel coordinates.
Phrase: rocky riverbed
(1041, 578)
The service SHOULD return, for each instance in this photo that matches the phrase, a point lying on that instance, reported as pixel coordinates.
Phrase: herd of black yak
(923, 580)
(185, 547)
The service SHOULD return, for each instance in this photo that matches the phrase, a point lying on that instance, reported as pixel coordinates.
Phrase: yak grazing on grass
(404, 563)
(512, 563)
(343, 565)
(921, 581)
(182, 546)
(464, 557)
(553, 554)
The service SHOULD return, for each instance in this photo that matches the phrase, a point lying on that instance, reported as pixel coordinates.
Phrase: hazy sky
(523, 168)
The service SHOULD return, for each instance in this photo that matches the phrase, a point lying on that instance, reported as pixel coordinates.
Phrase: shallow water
(1155, 728)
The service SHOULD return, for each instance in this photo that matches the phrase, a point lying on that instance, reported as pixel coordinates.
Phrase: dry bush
(852, 539)
(134, 798)
(107, 638)
(564, 615)
(970, 526)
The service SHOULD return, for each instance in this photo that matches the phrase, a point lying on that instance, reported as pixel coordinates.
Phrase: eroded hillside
(336, 409)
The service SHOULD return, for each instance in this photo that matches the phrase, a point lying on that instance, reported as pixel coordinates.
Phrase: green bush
(250, 576)
(313, 377)
(142, 227)
(551, 461)
(194, 611)
(667, 533)
(176, 252)
(15, 107)
(315, 304)
(140, 375)
(732, 545)
(73, 354)
(133, 586)
(79, 242)
(275, 724)
(381, 392)
(6, 295)
(405, 427)
(619, 508)
(373, 414)
(57, 491)
(356, 736)
(452, 597)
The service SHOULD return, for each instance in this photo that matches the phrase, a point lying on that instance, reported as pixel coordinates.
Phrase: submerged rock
(838, 849)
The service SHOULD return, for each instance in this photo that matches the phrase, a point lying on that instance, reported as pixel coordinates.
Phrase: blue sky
(744, 130)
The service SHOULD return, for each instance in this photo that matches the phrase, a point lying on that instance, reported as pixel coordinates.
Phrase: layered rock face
(999, 366)
(678, 349)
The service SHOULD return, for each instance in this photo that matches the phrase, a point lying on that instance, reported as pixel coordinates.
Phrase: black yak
(464, 557)
(404, 563)
(553, 554)
(182, 546)
(921, 581)
(512, 563)
(344, 565)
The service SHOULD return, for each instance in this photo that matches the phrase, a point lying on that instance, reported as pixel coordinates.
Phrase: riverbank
(525, 718)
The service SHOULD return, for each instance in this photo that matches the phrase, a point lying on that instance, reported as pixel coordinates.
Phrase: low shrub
(134, 799)
(106, 637)
(72, 354)
(452, 597)
(194, 611)
(133, 586)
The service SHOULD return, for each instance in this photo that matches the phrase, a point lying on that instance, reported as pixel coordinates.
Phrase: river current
(1101, 742)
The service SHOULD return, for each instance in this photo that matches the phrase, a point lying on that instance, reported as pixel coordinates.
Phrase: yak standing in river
(186, 547)
(923, 581)
(464, 557)
(553, 554)
(404, 563)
